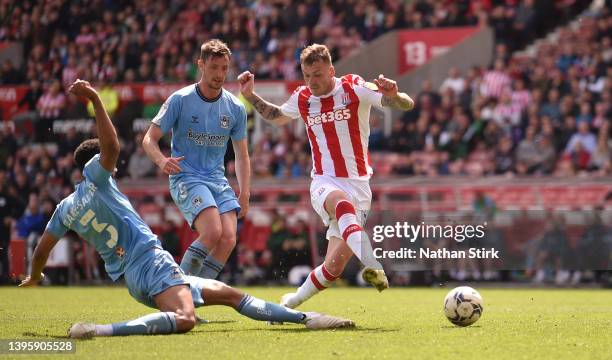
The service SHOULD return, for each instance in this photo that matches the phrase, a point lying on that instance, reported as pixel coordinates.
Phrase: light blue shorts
(154, 272)
(192, 194)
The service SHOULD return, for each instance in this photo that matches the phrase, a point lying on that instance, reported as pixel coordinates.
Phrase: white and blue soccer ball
(463, 306)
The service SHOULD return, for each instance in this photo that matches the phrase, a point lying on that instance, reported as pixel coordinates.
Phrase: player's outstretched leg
(322, 277)
(319, 279)
(176, 316)
(217, 293)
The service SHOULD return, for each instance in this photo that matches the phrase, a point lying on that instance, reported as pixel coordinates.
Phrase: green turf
(399, 323)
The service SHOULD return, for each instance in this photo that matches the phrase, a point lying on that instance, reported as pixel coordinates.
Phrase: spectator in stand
(9, 74)
(504, 157)
(524, 21)
(602, 114)
(507, 113)
(130, 110)
(68, 142)
(454, 81)
(584, 137)
(70, 72)
(564, 132)
(29, 103)
(546, 155)
(50, 106)
(8, 214)
(602, 156)
(521, 96)
(8, 147)
(495, 81)
(527, 153)
(140, 166)
(585, 113)
(32, 221)
(551, 108)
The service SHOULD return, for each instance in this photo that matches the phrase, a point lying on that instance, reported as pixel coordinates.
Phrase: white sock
(104, 330)
(318, 280)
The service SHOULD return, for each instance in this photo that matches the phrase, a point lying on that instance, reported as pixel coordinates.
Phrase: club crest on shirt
(346, 99)
(225, 120)
(177, 273)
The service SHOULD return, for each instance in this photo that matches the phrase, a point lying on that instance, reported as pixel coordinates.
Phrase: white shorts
(358, 192)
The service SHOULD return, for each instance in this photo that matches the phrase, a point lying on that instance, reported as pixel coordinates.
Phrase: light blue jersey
(104, 217)
(201, 129)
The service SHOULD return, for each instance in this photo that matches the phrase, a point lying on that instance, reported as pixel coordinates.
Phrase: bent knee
(212, 234)
(228, 240)
(332, 201)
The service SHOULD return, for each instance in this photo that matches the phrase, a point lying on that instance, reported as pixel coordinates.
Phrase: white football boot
(316, 321)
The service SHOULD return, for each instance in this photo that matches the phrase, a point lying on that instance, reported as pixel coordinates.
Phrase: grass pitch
(396, 324)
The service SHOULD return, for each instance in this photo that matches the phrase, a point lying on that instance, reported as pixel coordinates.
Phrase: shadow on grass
(294, 330)
(459, 327)
(213, 322)
(45, 335)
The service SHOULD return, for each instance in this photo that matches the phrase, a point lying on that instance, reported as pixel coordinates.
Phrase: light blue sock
(211, 268)
(258, 309)
(157, 323)
(194, 258)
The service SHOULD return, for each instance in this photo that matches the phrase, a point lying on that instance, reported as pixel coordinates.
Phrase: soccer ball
(463, 306)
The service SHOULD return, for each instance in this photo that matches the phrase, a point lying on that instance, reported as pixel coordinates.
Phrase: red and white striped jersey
(338, 126)
(494, 83)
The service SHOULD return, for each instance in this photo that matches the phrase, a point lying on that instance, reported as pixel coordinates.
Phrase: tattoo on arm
(401, 102)
(268, 111)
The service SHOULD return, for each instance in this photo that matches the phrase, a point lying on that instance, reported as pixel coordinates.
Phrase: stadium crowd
(546, 114)
(157, 40)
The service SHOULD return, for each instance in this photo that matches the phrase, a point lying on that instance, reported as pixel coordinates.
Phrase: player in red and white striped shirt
(336, 114)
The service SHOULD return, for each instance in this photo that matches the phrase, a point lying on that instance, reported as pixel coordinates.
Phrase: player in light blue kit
(104, 217)
(203, 117)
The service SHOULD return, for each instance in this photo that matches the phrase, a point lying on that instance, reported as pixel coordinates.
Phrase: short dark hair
(214, 48)
(314, 53)
(85, 151)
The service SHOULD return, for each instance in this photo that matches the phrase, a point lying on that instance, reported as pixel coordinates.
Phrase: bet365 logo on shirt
(330, 116)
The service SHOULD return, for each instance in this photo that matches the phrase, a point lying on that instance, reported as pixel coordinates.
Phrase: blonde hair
(314, 53)
(214, 48)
